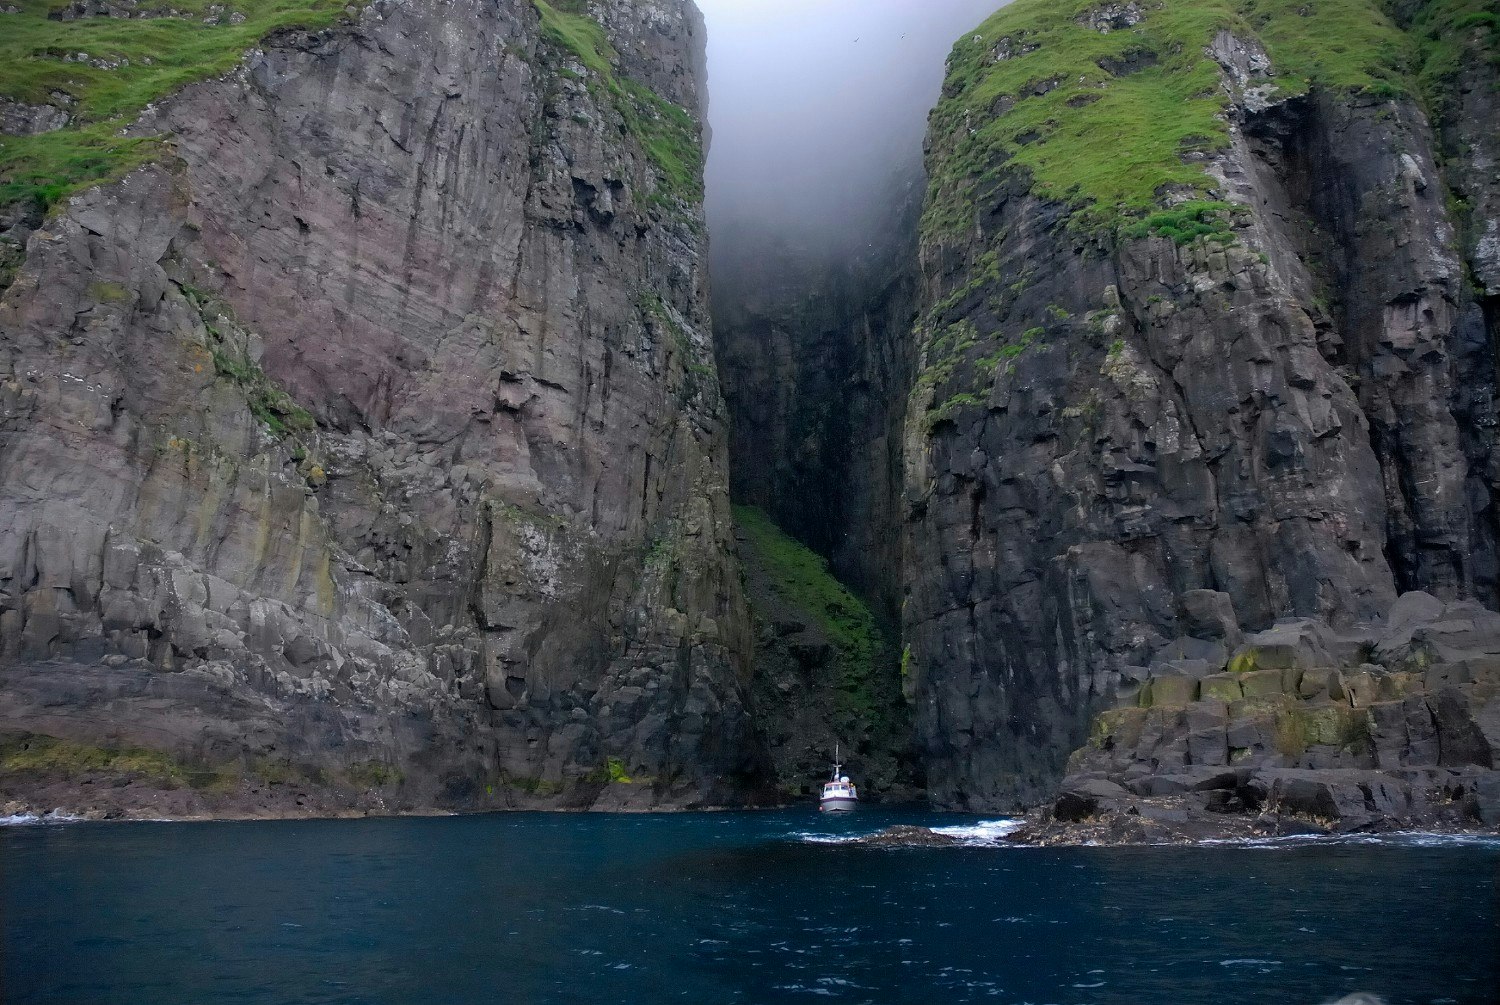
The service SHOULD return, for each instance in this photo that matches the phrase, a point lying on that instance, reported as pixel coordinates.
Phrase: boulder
(1352, 800)
(1324, 682)
(1208, 614)
(1190, 779)
(1173, 690)
(1213, 654)
(1207, 723)
(1412, 609)
(1261, 683)
(1221, 687)
(1298, 644)
(1084, 798)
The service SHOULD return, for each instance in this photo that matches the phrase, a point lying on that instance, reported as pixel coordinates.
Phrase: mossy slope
(869, 706)
(105, 70)
(108, 69)
(1115, 121)
(667, 133)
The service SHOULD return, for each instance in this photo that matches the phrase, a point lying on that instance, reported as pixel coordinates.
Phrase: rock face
(816, 357)
(1270, 380)
(380, 423)
(1392, 726)
(826, 678)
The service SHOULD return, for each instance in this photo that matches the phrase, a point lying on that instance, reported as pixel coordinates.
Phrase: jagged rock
(1347, 747)
(1353, 800)
(18, 119)
(908, 836)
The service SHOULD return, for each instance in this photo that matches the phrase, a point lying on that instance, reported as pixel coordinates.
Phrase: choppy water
(728, 908)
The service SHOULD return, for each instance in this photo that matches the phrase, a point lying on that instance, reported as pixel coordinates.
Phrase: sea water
(734, 907)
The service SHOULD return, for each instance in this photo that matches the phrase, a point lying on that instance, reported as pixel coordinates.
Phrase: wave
(986, 833)
(995, 834)
(1397, 839)
(34, 819)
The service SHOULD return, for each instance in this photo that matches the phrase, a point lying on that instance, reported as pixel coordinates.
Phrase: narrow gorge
(394, 418)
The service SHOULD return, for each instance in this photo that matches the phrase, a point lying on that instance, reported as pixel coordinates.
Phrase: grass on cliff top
(667, 133)
(868, 691)
(139, 60)
(1449, 33)
(1109, 121)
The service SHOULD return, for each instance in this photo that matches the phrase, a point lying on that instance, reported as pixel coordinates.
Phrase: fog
(818, 107)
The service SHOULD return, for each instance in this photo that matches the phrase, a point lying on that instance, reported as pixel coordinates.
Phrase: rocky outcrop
(379, 424)
(1304, 729)
(1252, 367)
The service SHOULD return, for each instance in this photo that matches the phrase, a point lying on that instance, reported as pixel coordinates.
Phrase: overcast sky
(815, 103)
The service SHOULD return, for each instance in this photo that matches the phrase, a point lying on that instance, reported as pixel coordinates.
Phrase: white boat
(839, 794)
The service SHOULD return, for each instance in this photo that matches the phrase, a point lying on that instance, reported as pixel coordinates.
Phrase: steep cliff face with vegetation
(827, 677)
(360, 438)
(815, 355)
(1208, 310)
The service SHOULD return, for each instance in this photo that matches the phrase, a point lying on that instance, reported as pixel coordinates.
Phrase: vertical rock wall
(1279, 387)
(815, 351)
(379, 423)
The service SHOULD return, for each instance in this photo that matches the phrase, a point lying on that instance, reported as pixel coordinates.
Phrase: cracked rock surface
(380, 426)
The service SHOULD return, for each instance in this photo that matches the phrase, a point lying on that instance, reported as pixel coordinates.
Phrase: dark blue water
(724, 908)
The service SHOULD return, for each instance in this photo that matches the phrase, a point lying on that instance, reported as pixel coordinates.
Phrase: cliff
(815, 353)
(826, 677)
(1209, 304)
(360, 434)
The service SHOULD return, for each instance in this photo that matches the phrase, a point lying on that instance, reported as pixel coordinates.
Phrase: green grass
(869, 695)
(267, 400)
(1114, 144)
(1188, 221)
(964, 361)
(1447, 33)
(49, 758)
(668, 134)
(145, 59)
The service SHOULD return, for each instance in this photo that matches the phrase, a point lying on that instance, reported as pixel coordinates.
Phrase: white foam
(32, 819)
(812, 837)
(1397, 839)
(983, 834)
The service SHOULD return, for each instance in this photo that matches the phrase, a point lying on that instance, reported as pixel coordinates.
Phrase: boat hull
(838, 804)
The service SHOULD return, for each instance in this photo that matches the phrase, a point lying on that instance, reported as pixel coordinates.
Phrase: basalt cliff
(361, 445)
(1206, 383)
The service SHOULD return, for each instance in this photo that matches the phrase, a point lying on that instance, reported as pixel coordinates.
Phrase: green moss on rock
(1109, 109)
(869, 686)
(1170, 692)
(51, 759)
(107, 70)
(668, 134)
(1118, 727)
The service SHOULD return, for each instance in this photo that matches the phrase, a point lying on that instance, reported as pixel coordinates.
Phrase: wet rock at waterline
(1305, 729)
